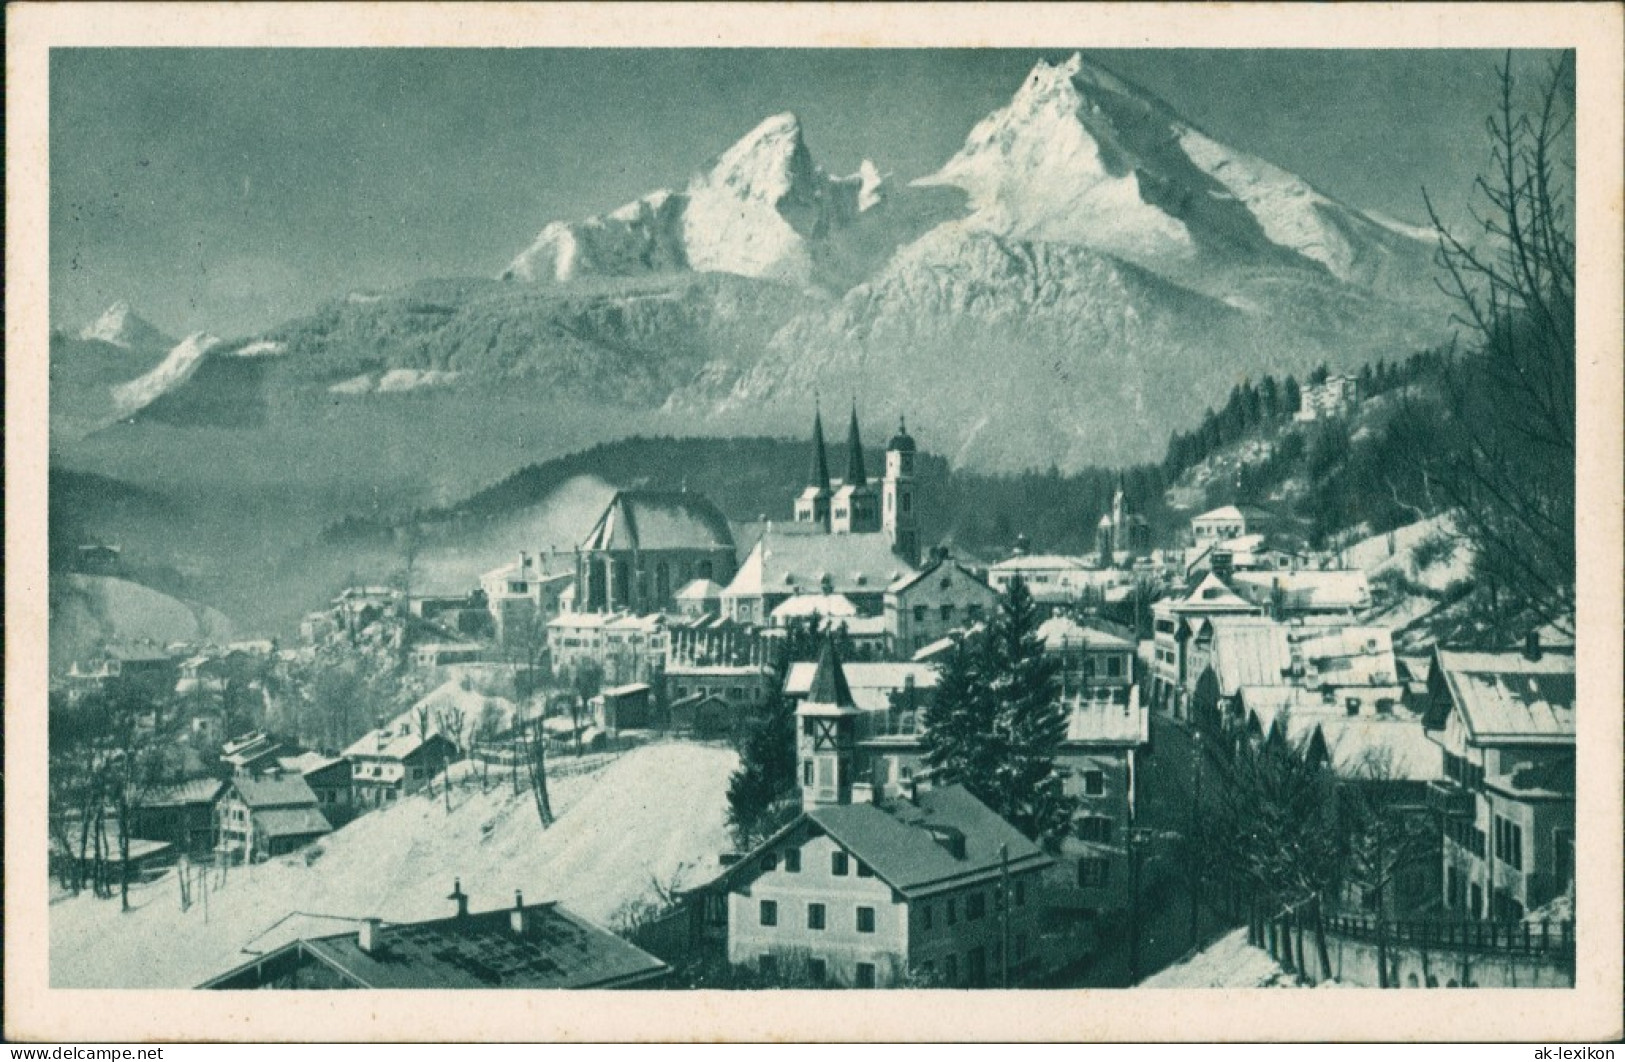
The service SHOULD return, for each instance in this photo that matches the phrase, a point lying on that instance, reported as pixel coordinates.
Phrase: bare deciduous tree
(1513, 482)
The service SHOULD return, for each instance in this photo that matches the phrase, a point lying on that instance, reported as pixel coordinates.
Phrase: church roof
(818, 475)
(651, 520)
(902, 442)
(855, 476)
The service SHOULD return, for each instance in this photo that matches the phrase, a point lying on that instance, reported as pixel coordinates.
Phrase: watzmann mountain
(1082, 277)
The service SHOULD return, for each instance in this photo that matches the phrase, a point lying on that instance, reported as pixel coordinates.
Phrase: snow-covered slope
(755, 211)
(653, 816)
(123, 327)
(92, 610)
(166, 376)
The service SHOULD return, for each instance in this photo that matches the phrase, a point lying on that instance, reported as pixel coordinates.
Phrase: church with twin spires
(857, 505)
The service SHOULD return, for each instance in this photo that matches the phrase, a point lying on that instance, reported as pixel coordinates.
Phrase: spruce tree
(997, 724)
(1031, 720)
(962, 743)
(762, 790)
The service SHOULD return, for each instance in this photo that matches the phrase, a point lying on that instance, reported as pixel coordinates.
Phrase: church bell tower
(898, 518)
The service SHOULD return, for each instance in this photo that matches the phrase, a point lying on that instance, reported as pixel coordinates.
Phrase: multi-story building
(1172, 621)
(395, 761)
(524, 592)
(874, 885)
(1217, 525)
(946, 596)
(257, 818)
(1505, 720)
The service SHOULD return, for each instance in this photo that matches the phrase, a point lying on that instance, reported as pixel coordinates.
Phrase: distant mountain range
(1087, 273)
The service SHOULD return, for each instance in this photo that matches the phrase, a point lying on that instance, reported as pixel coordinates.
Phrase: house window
(807, 768)
(838, 864)
(770, 912)
(1509, 842)
(1096, 828)
(925, 916)
(947, 613)
(817, 971)
(864, 871)
(866, 920)
(1092, 873)
(919, 613)
(770, 862)
(975, 906)
(792, 861)
(1114, 667)
(953, 911)
(866, 975)
(815, 916)
(975, 612)
(1094, 783)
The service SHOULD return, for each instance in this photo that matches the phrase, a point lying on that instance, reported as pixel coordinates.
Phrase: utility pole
(1195, 824)
(1004, 893)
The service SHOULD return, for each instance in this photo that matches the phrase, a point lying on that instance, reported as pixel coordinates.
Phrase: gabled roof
(1306, 590)
(1223, 512)
(699, 590)
(657, 520)
(196, 791)
(281, 792)
(1064, 632)
(558, 949)
(790, 564)
(397, 743)
(837, 605)
(1379, 748)
(902, 841)
(948, 567)
(1506, 698)
(1212, 595)
(1040, 562)
(291, 822)
(871, 684)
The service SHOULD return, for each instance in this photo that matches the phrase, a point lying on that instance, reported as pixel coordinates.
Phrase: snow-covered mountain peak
(766, 163)
(123, 327)
(758, 209)
(1080, 155)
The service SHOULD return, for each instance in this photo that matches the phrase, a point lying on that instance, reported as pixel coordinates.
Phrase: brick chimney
(370, 938)
(1531, 645)
(460, 897)
(519, 918)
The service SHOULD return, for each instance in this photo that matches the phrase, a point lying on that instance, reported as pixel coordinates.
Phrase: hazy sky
(228, 190)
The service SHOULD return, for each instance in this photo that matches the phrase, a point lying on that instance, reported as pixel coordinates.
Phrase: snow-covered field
(1229, 962)
(655, 814)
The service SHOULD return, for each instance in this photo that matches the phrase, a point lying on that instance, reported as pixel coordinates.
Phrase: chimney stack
(370, 938)
(458, 895)
(1531, 645)
(517, 920)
